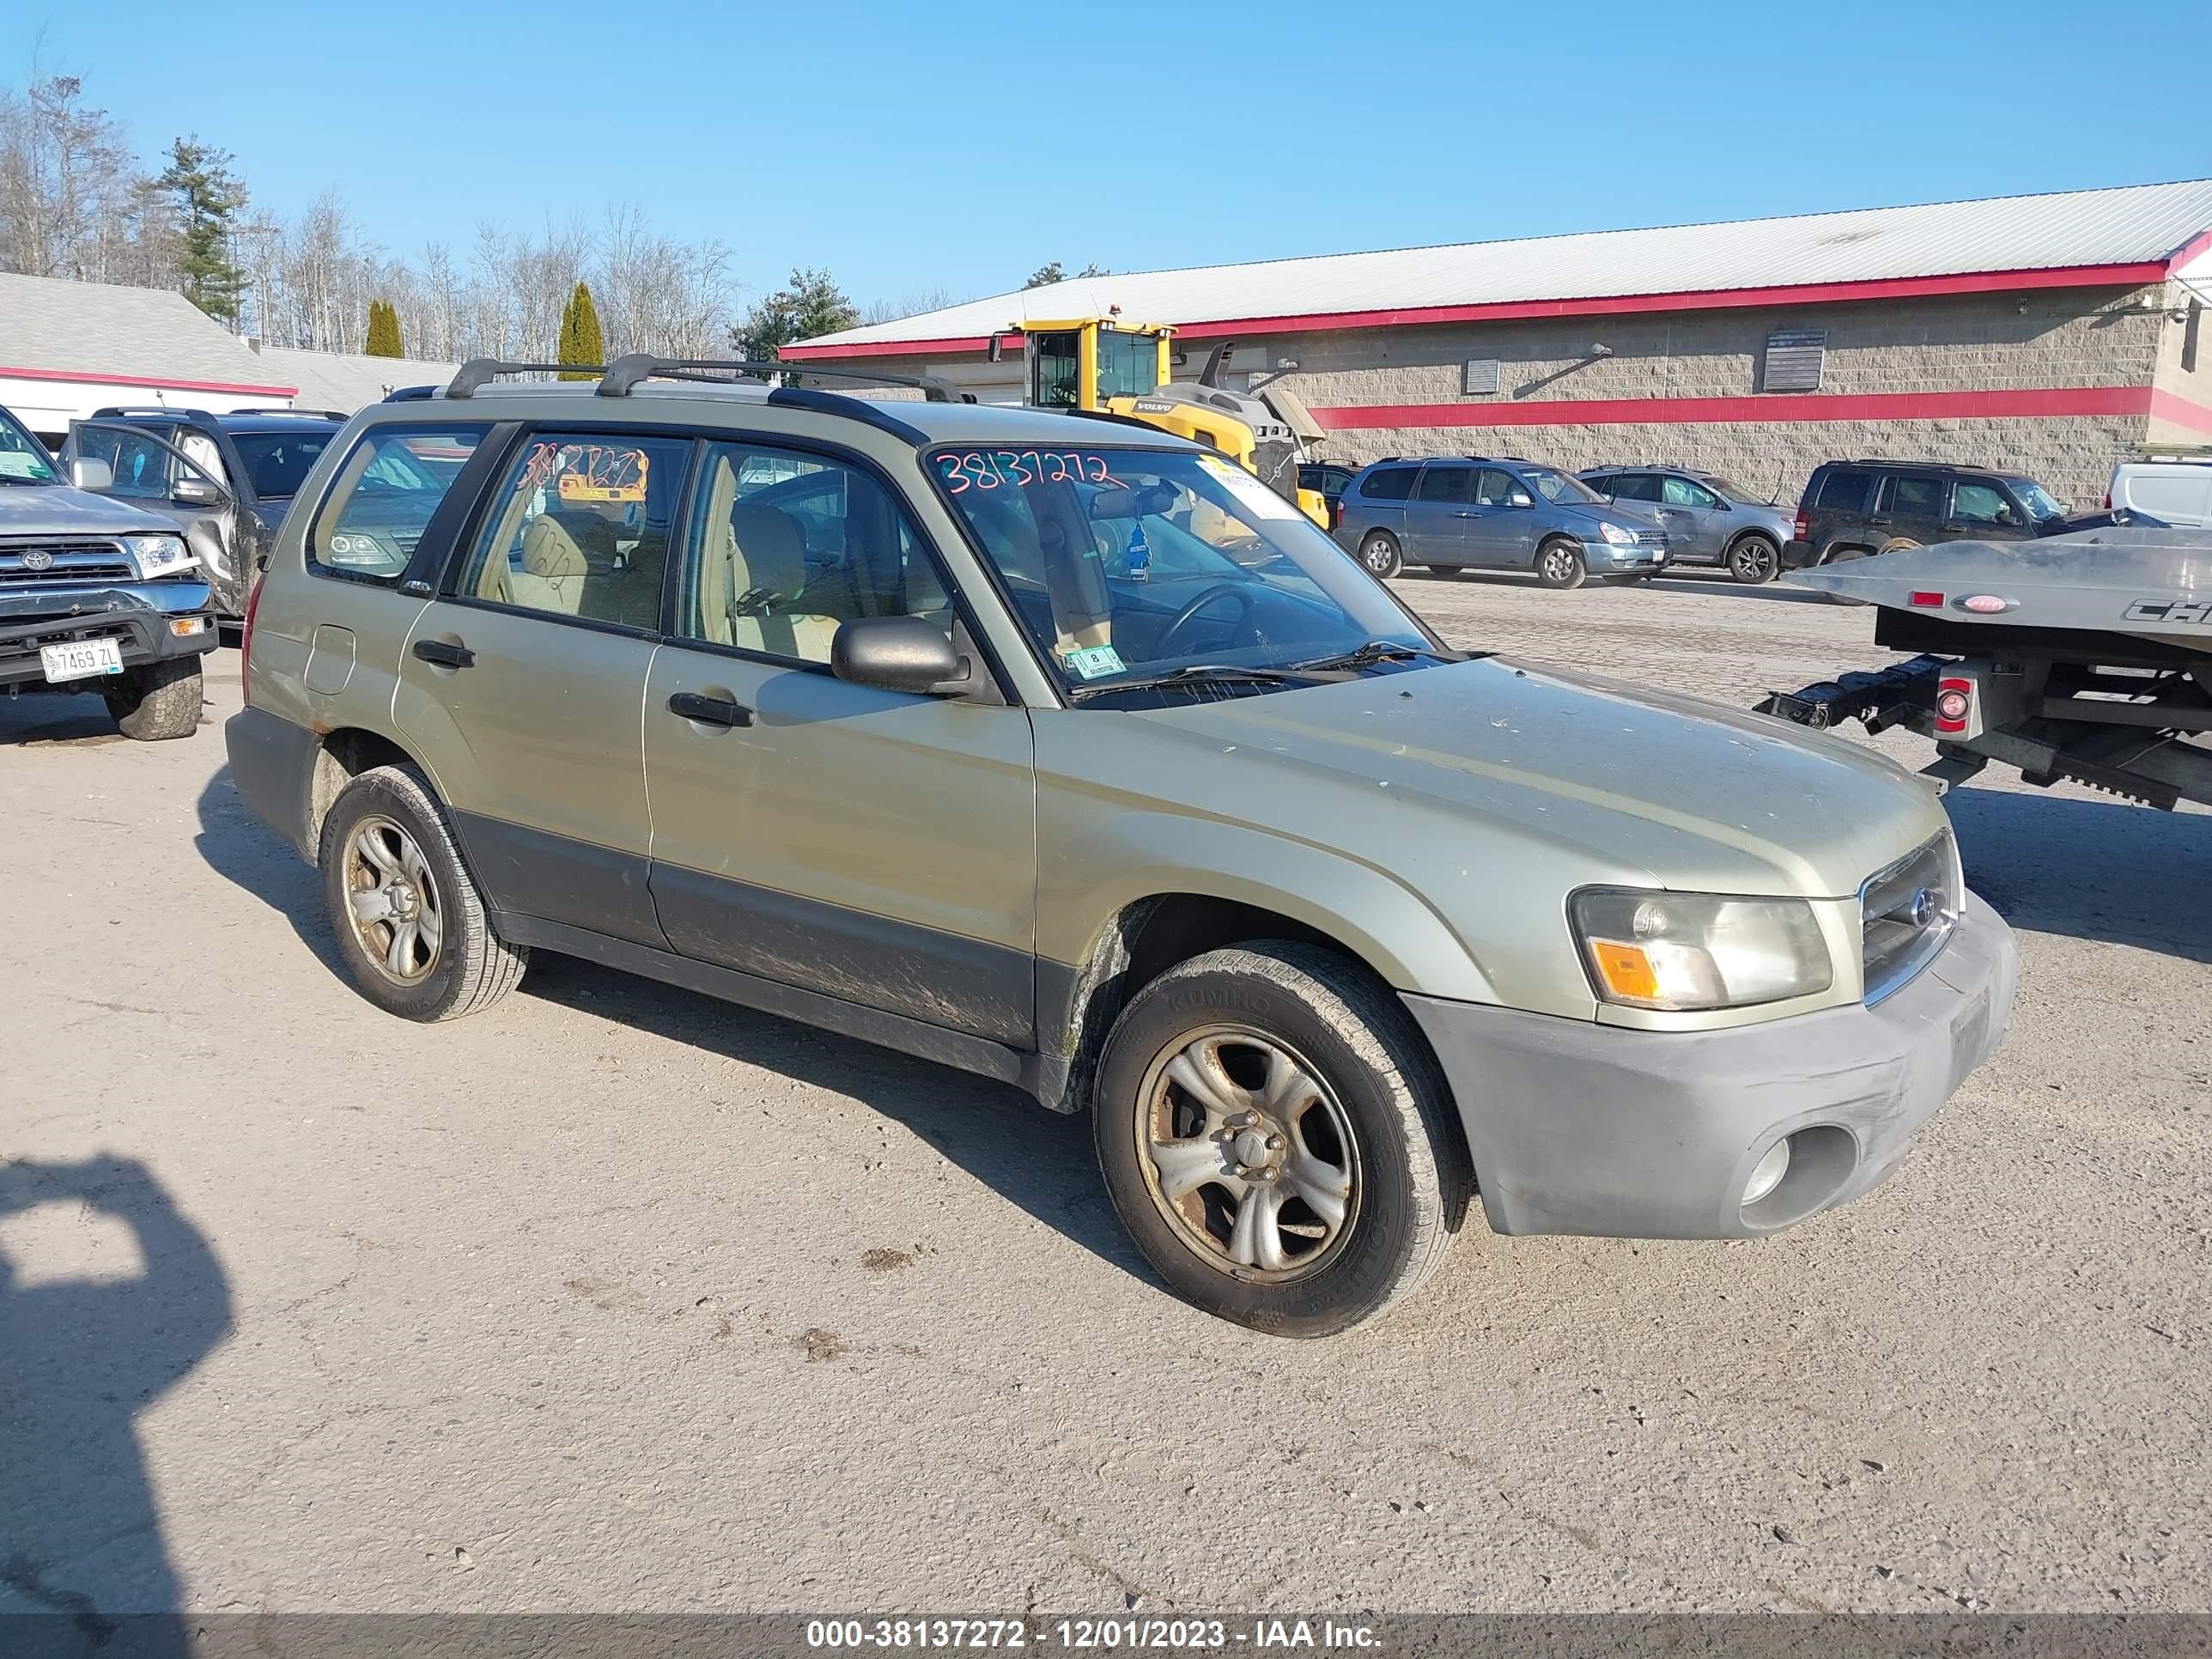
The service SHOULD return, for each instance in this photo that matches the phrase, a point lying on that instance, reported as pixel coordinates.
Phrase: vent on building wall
(1479, 377)
(1794, 359)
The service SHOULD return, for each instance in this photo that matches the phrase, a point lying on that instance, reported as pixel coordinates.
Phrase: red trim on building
(2200, 243)
(1811, 406)
(1885, 287)
(145, 380)
(2182, 411)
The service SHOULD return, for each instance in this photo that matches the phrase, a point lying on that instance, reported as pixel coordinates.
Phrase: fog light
(185, 627)
(1768, 1175)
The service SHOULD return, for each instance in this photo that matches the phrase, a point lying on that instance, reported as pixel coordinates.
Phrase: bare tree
(910, 304)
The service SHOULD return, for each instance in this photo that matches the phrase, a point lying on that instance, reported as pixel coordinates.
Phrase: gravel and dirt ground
(616, 1297)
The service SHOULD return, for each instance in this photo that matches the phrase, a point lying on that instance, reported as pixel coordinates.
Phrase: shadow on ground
(80, 1531)
(2109, 871)
(1037, 1159)
(1705, 585)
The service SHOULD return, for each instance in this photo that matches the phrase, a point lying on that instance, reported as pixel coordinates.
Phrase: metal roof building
(1928, 329)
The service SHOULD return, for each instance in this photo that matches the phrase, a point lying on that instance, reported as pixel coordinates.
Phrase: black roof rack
(167, 412)
(411, 394)
(630, 372)
(480, 372)
(309, 413)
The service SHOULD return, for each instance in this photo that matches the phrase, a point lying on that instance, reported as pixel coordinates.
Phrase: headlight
(1616, 535)
(160, 555)
(357, 547)
(1688, 951)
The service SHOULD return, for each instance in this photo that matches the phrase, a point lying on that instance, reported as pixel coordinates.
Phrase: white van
(2176, 488)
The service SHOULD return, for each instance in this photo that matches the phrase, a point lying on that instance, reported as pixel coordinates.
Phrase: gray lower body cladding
(1595, 1129)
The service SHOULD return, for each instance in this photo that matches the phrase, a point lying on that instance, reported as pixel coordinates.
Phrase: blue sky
(911, 147)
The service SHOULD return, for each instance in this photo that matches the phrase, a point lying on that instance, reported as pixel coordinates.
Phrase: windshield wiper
(1374, 652)
(1198, 673)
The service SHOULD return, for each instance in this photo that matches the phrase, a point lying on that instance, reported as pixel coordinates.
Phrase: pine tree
(813, 305)
(209, 198)
(581, 342)
(384, 339)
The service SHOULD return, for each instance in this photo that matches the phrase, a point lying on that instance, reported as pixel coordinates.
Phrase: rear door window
(1911, 497)
(1389, 483)
(580, 527)
(383, 497)
(1843, 491)
(1446, 484)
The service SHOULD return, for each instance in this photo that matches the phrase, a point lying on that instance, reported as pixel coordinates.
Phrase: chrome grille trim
(1895, 942)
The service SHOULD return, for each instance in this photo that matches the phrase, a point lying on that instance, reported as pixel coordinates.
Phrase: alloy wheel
(392, 901)
(1248, 1154)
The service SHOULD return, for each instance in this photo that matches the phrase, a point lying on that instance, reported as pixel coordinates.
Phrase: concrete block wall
(2185, 364)
(2051, 339)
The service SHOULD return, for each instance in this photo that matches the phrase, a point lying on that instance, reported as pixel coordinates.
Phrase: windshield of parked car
(1558, 486)
(278, 462)
(1125, 565)
(23, 458)
(2037, 500)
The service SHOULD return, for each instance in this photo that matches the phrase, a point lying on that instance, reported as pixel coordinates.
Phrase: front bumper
(134, 615)
(1614, 557)
(1579, 1128)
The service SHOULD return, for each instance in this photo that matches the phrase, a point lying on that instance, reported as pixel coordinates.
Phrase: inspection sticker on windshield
(1093, 662)
(1251, 495)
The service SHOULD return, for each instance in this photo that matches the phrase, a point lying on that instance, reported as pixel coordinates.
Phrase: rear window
(278, 462)
(1845, 492)
(1388, 484)
(384, 497)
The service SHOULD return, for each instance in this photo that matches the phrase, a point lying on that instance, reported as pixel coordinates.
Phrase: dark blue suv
(1473, 511)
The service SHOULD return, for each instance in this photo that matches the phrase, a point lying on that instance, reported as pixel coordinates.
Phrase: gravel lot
(616, 1297)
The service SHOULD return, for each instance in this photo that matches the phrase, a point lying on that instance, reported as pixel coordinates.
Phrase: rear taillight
(1336, 513)
(1954, 701)
(245, 645)
(2108, 501)
(1804, 529)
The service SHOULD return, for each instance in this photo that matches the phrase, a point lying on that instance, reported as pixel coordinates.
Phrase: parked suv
(1708, 520)
(1072, 755)
(1851, 509)
(96, 595)
(1474, 512)
(224, 480)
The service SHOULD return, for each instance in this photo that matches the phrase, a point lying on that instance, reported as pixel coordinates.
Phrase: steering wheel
(1240, 591)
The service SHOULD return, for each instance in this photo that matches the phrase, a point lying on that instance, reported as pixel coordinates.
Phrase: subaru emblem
(37, 558)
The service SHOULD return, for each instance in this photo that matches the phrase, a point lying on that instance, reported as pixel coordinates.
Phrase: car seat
(752, 587)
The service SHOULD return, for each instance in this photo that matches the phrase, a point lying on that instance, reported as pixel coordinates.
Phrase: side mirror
(96, 476)
(897, 653)
(1520, 498)
(195, 492)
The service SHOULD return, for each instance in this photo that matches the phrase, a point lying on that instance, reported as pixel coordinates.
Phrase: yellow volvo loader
(1103, 365)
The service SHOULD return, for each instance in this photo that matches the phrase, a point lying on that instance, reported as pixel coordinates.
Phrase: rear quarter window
(1844, 492)
(395, 478)
(1388, 484)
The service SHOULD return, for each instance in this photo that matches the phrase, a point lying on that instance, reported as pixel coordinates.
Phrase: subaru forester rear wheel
(410, 926)
(1278, 1139)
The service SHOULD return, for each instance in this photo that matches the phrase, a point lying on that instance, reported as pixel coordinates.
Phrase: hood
(1642, 788)
(62, 510)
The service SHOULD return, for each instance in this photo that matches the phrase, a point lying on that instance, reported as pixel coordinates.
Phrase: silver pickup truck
(96, 595)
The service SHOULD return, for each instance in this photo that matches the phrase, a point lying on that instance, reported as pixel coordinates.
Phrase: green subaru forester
(1068, 753)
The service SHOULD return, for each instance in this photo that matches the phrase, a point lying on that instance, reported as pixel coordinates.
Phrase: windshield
(1128, 364)
(2037, 500)
(1126, 564)
(278, 462)
(1733, 491)
(23, 458)
(1558, 486)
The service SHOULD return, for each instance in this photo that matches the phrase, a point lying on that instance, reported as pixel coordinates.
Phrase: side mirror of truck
(96, 476)
(195, 492)
(897, 653)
